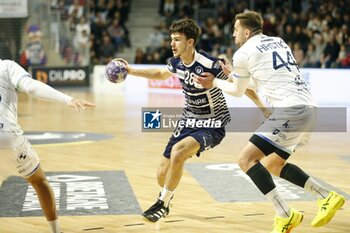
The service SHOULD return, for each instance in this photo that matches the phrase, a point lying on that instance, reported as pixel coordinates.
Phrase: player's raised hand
(206, 80)
(226, 66)
(79, 104)
(127, 66)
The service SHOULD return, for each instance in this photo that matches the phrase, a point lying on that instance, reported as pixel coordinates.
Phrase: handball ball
(116, 71)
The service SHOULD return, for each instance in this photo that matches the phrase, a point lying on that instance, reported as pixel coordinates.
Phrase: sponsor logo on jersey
(199, 70)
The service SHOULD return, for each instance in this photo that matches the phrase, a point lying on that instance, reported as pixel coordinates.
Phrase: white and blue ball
(116, 71)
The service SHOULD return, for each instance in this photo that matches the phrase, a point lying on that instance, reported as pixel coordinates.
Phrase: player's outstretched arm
(42, 91)
(236, 88)
(208, 81)
(151, 73)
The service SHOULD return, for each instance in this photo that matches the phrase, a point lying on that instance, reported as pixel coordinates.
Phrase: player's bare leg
(163, 170)
(46, 197)
(179, 154)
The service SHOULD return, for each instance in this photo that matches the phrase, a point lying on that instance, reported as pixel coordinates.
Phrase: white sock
(281, 207)
(54, 226)
(166, 195)
(316, 188)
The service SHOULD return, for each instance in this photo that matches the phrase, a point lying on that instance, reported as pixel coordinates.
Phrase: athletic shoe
(285, 225)
(169, 204)
(156, 211)
(327, 208)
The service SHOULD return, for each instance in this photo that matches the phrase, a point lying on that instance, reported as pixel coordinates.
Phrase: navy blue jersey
(200, 103)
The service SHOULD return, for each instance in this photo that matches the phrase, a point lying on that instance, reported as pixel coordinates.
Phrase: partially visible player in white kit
(270, 63)
(16, 154)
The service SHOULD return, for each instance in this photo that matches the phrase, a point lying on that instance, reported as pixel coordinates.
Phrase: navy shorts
(207, 138)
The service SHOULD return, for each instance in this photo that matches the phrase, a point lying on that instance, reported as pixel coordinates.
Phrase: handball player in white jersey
(201, 104)
(17, 157)
(269, 62)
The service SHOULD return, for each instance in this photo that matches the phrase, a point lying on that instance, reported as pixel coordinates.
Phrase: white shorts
(17, 157)
(288, 128)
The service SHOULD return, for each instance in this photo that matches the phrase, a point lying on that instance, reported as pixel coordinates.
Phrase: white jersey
(10, 74)
(14, 147)
(270, 63)
(12, 77)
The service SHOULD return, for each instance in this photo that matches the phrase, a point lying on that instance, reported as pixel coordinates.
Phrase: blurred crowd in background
(317, 31)
(97, 28)
(95, 31)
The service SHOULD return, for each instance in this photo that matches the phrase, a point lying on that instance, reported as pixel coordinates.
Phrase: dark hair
(251, 20)
(188, 27)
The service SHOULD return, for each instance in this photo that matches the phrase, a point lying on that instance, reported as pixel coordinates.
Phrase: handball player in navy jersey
(203, 121)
